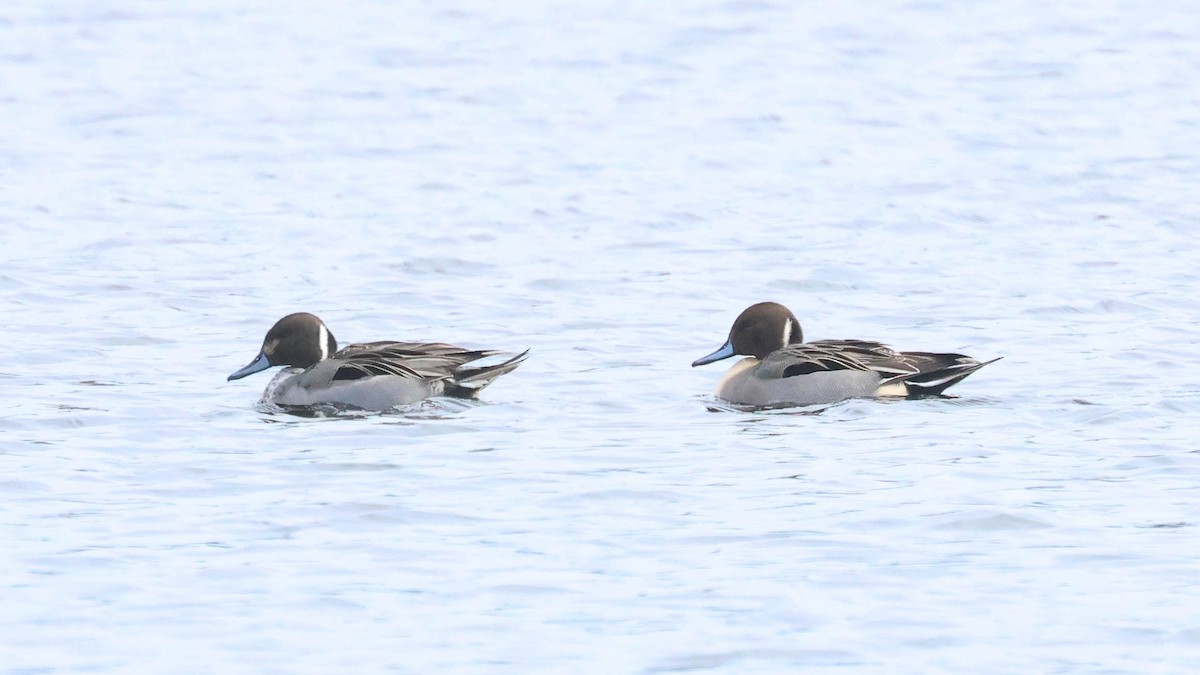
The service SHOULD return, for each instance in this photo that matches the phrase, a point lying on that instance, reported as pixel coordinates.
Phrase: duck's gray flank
(372, 375)
(782, 368)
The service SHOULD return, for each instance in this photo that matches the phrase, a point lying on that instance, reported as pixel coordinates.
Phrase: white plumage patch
(323, 340)
(892, 389)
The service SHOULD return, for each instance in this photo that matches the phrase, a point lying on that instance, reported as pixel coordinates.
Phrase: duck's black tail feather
(469, 379)
(938, 372)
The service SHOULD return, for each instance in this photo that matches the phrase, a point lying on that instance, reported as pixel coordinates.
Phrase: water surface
(608, 184)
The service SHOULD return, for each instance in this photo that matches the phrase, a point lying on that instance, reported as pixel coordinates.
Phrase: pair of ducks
(781, 369)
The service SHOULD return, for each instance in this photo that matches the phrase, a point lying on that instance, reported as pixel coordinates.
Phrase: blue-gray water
(609, 184)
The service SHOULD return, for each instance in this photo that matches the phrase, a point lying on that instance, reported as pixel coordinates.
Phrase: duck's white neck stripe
(787, 332)
(323, 340)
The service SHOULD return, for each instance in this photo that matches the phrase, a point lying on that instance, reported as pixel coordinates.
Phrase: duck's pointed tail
(469, 379)
(938, 372)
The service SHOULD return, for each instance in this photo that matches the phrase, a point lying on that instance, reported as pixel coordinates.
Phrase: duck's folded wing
(835, 355)
(368, 365)
(428, 361)
(806, 358)
(391, 348)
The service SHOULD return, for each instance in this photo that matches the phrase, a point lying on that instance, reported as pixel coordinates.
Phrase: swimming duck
(784, 369)
(370, 376)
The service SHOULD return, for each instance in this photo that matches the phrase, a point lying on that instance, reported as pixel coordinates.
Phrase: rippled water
(608, 184)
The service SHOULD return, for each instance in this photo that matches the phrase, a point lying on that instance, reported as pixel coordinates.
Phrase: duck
(782, 369)
(373, 376)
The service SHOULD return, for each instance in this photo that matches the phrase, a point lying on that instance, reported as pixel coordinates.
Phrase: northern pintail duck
(369, 376)
(783, 368)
